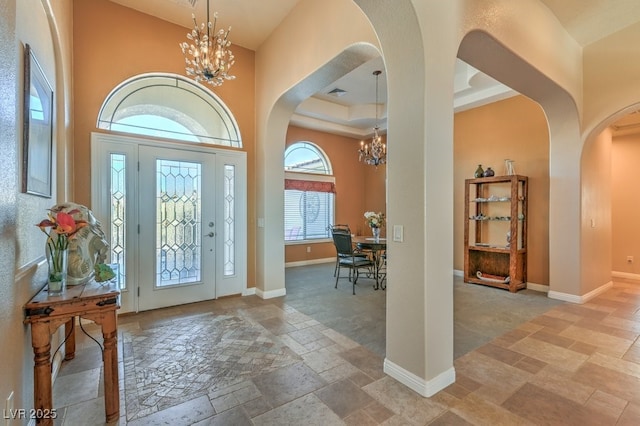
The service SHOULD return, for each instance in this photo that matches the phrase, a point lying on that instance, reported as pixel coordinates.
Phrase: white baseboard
(309, 262)
(572, 298)
(418, 384)
(626, 275)
(458, 273)
(271, 293)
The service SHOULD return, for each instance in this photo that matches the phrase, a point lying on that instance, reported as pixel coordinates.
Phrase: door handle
(211, 234)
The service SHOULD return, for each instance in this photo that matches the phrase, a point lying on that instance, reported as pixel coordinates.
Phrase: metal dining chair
(344, 229)
(348, 258)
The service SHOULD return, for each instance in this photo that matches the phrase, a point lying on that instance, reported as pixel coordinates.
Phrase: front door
(176, 227)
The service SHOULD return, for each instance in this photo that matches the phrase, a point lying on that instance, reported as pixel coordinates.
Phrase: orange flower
(66, 224)
(62, 223)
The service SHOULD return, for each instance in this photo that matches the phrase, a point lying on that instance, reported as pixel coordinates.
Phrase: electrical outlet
(629, 259)
(308, 249)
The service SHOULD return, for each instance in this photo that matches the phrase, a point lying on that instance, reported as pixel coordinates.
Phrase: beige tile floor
(263, 362)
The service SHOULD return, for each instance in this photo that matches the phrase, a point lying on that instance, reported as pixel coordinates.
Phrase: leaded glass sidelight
(178, 222)
(229, 259)
(117, 197)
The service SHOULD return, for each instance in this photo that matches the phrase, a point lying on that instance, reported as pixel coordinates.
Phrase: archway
(485, 53)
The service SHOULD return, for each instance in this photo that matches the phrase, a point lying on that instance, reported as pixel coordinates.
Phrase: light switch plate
(398, 233)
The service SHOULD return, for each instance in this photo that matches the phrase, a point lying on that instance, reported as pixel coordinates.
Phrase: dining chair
(344, 229)
(348, 258)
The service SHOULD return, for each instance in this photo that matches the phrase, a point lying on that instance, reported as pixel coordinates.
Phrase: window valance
(309, 185)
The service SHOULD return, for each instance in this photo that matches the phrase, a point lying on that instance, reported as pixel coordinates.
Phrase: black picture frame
(37, 128)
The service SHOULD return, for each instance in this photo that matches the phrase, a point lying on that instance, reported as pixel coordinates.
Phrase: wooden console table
(94, 301)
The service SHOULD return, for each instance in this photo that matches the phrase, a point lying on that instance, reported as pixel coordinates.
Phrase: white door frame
(103, 144)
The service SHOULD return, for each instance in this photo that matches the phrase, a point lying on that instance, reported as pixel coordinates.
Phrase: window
(169, 106)
(309, 193)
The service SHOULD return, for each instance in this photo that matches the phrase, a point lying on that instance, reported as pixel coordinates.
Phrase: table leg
(70, 343)
(110, 359)
(375, 268)
(41, 342)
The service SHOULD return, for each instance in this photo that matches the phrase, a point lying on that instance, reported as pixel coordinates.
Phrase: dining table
(375, 246)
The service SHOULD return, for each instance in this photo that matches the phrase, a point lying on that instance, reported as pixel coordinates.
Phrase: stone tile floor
(271, 364)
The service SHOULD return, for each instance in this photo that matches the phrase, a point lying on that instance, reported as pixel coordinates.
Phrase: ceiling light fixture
(377, 152)
(207, 55)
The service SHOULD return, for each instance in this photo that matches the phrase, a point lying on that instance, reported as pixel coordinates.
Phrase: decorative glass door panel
(177, 219)
(178, 222)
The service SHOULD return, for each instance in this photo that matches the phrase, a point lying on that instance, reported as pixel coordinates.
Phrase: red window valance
(309, 185)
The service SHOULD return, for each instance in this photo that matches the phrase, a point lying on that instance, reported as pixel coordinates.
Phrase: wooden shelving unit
(493, 207)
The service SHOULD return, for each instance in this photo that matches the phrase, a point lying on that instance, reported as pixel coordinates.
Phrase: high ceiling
(354, 113)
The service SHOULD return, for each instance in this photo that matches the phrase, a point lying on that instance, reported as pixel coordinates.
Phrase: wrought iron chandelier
(207, 55)
(376, 152)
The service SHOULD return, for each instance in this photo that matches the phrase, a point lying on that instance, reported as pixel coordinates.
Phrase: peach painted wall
(516, 129)
(625, 156)
(355, 184)
(113, 43)
(596, 212)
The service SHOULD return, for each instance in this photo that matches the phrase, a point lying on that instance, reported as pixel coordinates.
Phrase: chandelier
(207, 55)
(376, 152)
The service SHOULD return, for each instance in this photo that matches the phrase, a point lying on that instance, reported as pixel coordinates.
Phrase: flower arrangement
(374, 220)
(59, 227)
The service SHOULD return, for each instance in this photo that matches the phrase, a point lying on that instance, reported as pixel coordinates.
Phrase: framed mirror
(37, 128)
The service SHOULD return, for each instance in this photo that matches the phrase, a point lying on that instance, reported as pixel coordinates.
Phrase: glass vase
(57, 260)
(376, 233)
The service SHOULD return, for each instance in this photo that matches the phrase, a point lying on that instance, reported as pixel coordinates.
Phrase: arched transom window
(169, 106)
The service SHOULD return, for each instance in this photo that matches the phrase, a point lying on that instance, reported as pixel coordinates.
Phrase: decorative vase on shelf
(479, 171)
(57, 260)
(488, 173)
(376, 233)
(509, 169)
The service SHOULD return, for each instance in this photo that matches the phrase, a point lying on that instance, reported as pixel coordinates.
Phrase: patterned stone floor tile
(239, 355)
(288, 383)
(344, 398)
(549, 353)
(403, 401)
(307, 410)
(543, 407)
(450, 418)
(187, 413)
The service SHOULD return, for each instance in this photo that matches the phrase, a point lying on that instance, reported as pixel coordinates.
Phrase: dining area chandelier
(375, 152)
(207, 54)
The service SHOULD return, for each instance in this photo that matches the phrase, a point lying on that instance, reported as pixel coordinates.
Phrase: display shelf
(495, 231)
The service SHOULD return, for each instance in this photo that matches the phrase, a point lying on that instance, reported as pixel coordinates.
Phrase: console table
(94, 301)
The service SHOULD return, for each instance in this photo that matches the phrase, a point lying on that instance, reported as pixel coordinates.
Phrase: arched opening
(519, 128)
(485, 53)
(610, 230)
